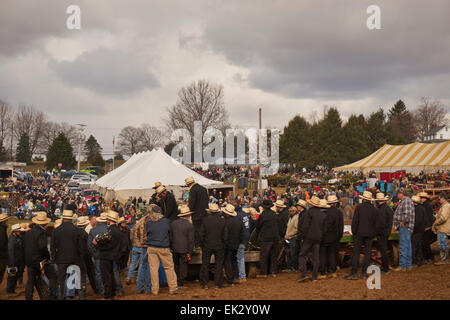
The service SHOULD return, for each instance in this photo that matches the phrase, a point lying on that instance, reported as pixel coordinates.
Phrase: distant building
(438, 134)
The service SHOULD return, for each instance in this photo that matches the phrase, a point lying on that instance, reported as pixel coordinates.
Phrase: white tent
(138, 175)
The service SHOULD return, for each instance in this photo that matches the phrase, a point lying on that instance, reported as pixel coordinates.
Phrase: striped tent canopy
(413, 157)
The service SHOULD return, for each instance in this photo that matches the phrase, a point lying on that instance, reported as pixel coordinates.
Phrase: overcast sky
(130, 58)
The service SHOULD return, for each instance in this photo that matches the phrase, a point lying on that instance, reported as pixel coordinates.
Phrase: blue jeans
(405, 248)
(119, 286)
(241, 261)
(98, 276)
(350, 202)
(135, 255)
(442, 239)
(143, 276)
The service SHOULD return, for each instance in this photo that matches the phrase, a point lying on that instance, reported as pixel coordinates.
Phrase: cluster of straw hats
(318, 203)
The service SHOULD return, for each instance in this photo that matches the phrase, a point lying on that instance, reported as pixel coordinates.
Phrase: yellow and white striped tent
(413, 158)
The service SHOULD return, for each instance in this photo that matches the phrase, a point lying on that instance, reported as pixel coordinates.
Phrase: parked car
(89, 194)
(94, 170)
(68, 174)
(86, 182)
(73, 184)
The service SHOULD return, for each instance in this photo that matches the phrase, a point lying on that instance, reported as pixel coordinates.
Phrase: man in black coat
(365, 225)
(212, 241)
(233, 237)
(418, 231)
(268, 230)
(16, 260)
(3, 244)
(86, 265)
(334, 228)
(428, 235)
(66, 249)
(310, 235)
(198, 203)
(166, 201)
(36, 251)
(182, 244)
(109, 253)
(385, 218)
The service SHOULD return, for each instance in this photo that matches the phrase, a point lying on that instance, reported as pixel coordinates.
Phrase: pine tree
(329, 141)
(355, 140)
(401, 124)
(92, 149)
(60, 151)
(294, 143)
(23, 151)
(377, 130)
(98, 160)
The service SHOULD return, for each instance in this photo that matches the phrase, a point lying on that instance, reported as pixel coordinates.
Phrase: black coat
(111, 250)
(420, 219)
(35, 244)
(212, 232)
(233, 232)
(429, 216)
(198, 201)
(16, 253)
(3, 242)
(125, 241)
(313, 224)
(182, 236)
(283, 216)
(84, 242)
(66, 246)
(169, 207)
(334, 225)
(366, 221)
(268, 226)
(386, 217)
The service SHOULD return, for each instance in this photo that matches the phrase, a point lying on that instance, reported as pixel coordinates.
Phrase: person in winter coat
(3, 244)
(233, 238)
(268, 230)
(311, 231)
(167, 202)
(86, 265)
(99, 229)
(346, 209)
(125, 245)
(334, 228)
(182, 243)
(419, 229)
(441, 227)
(158, 242)
(212, 241)
(290, 238)
(243, 214)
(365, 225)
(385, 216)
(428, 235)
(16, 260)
(198, 203)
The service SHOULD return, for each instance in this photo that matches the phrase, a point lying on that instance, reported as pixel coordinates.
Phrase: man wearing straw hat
(291, 240)
(212, 238)
(418, 231)
(3, 244)
(365, 225)
(428, 235)
(182, 243)
(36, 251)
(441, 227)
(153, 197)
(385, 216)
(66, 249)
(404, 222)
(233, 237)
(198, 203)
(16, 260)
(166, 201)
(100, 228)
(311, 230)
(87, 266)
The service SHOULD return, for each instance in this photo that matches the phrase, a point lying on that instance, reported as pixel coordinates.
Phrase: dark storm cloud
(106, 71)
(325, 50)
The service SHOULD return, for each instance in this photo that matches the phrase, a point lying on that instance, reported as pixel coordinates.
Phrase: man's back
(35, 244)
(233, 232)
(65, 243)
(268, 226)
(212, 232)
(182, 236)
(364, 223)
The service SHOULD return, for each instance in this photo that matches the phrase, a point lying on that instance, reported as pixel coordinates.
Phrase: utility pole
(113, 155)
(80, 132)
(259, 154)
(12, 134)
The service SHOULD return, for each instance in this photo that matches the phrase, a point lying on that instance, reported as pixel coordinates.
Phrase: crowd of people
(153, 241)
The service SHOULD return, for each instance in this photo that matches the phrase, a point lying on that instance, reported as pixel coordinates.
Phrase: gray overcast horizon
(130, 58)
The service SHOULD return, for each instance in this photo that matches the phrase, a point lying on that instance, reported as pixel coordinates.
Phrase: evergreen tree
(97, 160)
(329, 141)
(60, 151)
(355, 140)
(401, 124)
(295, 142)
(377, 130)
(92, 149)
(23, 151)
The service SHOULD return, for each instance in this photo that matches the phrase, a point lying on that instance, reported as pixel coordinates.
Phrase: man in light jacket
(441, 227)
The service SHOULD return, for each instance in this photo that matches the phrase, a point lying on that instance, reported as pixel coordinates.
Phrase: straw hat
(380, 197)
(15, 227)
(280, 204)
(332, 199)
(121, 219)
(157, 184)
(160, 190)
(185, 211)
(24, 227)
(83, 221)
(301, 203)
(324, 204)
(416, 199)
(189, 180)
(367, 195)
(424, 195)
(58, 222)
(68, 214)
(113, 216)
(213, 207)
(102, 217)
(3, 217)
(41, 218)
(229, 210)
(314, 201)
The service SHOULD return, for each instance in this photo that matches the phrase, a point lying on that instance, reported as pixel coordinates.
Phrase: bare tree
(200, 101)
(151, 137)
(431, 113)
(5, 123)
(52, 130)
(130, 140)
(31, 122)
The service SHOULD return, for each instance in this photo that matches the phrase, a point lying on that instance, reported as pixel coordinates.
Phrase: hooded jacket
(158, 230)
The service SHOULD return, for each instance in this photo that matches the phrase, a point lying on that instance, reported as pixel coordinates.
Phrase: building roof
(434, 130)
